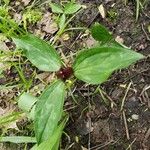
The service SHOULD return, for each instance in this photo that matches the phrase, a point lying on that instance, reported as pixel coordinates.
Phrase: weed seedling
(31, 16)
(65, 13)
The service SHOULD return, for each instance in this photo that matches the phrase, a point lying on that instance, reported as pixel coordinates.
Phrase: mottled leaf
(49, 109)
(53, 141)
(96, 65)
(26, 102)
(40, 53)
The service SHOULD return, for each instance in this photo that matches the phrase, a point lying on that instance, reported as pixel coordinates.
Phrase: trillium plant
(93, 66)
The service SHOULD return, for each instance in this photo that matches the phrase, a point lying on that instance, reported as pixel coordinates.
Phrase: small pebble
(135, 117)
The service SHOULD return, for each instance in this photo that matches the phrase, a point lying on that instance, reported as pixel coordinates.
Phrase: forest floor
(96, 121)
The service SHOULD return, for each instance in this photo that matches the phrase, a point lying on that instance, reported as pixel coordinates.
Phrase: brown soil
(98, 121)
(95, 124)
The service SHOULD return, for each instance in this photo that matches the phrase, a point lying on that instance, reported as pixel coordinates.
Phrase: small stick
(145, 32)
(146, 95)
(129, 147)
(100, 146)
(123, 100)
(89, 118)
(147, 135)
(109, 98)
(148, 99)
(145, 89)
(126, 125)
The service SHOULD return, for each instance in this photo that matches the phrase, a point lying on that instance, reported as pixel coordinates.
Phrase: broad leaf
(26, 102)
(56, 8)
(53, 141)
(71, 8)
(100, 33)
(18, 139)
(96, 65)
(49, 109)
(40, 53)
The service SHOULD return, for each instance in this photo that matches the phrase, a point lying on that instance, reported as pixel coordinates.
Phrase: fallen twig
(123, 100)
(126, 125)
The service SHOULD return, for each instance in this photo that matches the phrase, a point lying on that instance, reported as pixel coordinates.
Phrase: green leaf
(6, 2)
(62, 20)
(26, 102)
(34, 147)
(40, 53)
(18, 139)
(53, 141)
(49, 109)
(71, 8)
(31, 114)
(96, 65)
(100, 33)
(56, 8)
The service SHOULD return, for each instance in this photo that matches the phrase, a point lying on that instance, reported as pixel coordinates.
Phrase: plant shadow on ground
(96, 121)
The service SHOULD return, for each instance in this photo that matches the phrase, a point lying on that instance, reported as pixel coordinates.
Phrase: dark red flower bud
(64, 73)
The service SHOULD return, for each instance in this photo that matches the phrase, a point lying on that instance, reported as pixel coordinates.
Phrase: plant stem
(61, 31)
(75, 28)
(126, 1)
(137, 9)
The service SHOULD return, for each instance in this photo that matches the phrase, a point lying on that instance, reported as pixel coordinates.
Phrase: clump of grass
(31, 16)
(112, 14)
(9, 27)
(4, 11)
